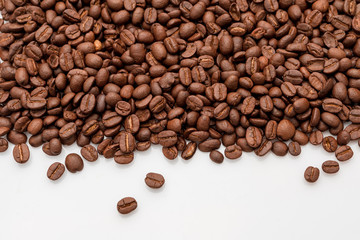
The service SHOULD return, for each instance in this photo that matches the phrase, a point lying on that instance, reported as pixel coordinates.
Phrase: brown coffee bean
(89, 153)
(216, 156)
(294, 148)
(329, 144)
(311, 174)
(285, 130)
(189, 150)
(170, 152)
(3, 145)
(330, 166)
(233, 152)
(264, 148)
(279, 148)
(316, 137)
(344, 153)
(74, 163)
(154, 180)
(123, 158)
(126, 205)
(55, 171)
(127, 142)
(167, 138)
(21, 153)
(253, 137)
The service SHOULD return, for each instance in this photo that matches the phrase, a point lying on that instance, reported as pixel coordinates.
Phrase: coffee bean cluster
(260, 75)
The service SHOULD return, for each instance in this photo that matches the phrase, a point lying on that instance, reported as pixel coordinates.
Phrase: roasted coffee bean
(316, 137)
(279, 148)
(311, 174)
(21, 153)
(55, 171)
(216, 156)
(3, 145)
(89, 153)
(74, 163)
(344, 153)
(329, 144)
(123, 158)
(233, 152)
(127, 142)
(154, 180)
(126, 205)
(167, 138)
(189, 150)
(170, 152)
(285, 130)
(294, 148)
(330, 166)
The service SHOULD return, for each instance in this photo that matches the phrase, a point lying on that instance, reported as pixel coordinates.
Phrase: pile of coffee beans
(259, 75)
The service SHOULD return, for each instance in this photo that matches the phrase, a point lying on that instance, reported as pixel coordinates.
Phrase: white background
(250, 198)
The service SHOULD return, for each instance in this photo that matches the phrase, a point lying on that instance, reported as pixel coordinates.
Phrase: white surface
(250, 198)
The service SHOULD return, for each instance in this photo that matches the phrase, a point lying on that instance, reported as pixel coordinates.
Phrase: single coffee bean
(233, 152)
(344, 153)
(189, 150)
(3, 145)
(285, 129)
(126, 205)
(279, 148)
(123, 158)
(74, 163)
(154, 180)
(55, 171)
(167, 138)
(343, 137)
(316, 137)
(294, 148)
(216, 156)
(329, 144)
(330, 166)
(21, 153)
(311, 174)
(89, 153)
(170, 152)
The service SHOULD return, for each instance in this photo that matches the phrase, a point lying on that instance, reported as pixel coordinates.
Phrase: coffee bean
(3, 145)
(126, 205)
(294, 148)
(154, 180)
(89, 153)
(55, 171)
(167, 138)
(279, 148)
(329, 144)
(216, 156)
(253, 137)
(311, 174)
(330, 166)
(74, 163)
(233, 152)
(21, 153)
(316, 137)
(127, 142)
(189, 150)
(344, 153)
(170, 152)
(285, 130)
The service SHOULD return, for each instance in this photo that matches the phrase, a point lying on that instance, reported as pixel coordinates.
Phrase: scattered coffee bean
(154, 180)
(89, 153)
(311, 174)
(21, 153)
(344, 153)
(55, 171)
(74, 163)
(126, 205)
(216, 156)
(330, 166)
(3, 145)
